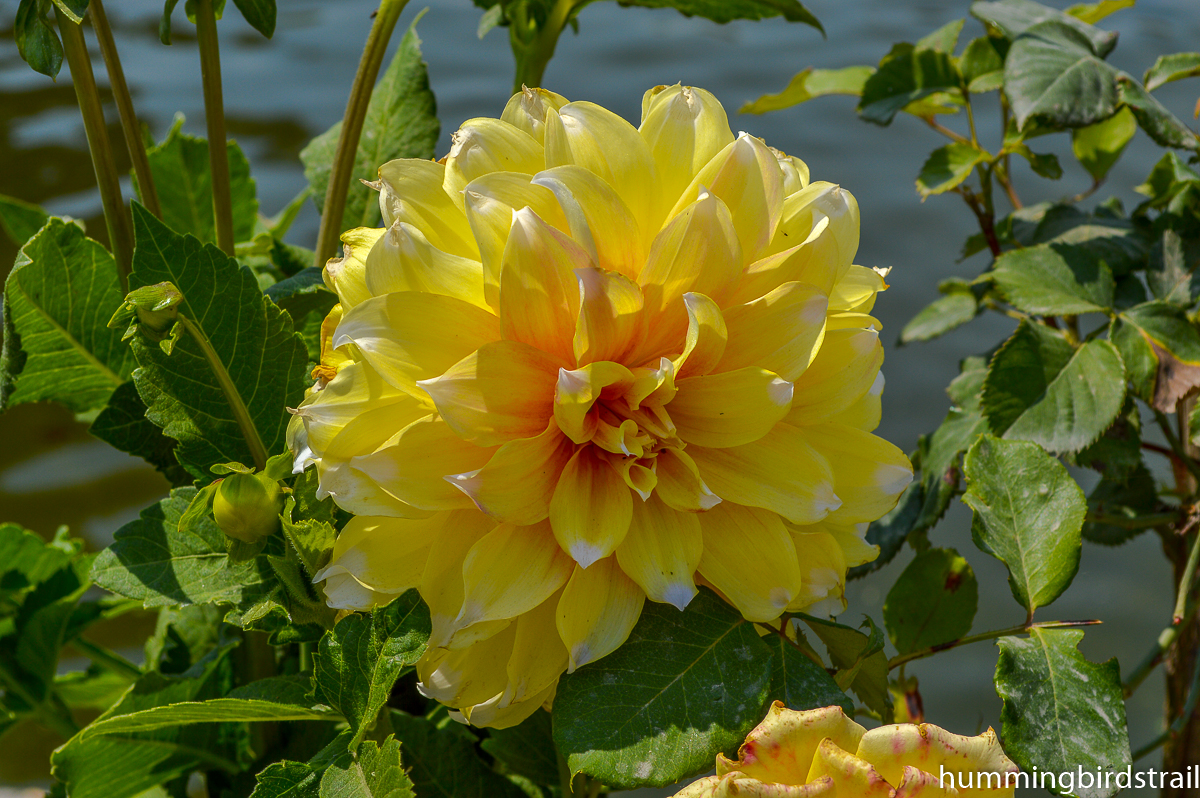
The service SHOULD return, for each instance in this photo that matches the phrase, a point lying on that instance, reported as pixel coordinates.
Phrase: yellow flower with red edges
(808, 755)
(587, 364)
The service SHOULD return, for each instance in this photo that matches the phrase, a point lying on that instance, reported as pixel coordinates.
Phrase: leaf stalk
(214, 115)
(1024, 628)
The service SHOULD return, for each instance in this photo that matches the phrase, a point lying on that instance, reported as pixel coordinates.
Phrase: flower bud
(247, 506)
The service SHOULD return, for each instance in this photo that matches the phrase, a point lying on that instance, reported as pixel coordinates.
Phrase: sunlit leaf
(1170, 68)
(948, 166)
(812, 83)
(905, 75)
(1054, 279)
(932, 602)
(1161, 349)
(1099, 146)
(1014, 17)
(1053, 74)
(728, 10)
(1091, 13)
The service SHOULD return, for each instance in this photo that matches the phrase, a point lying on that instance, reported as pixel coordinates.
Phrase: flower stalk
(214, 114)
(533, 44)
(116, 214)
(129, 121)
(352, 124)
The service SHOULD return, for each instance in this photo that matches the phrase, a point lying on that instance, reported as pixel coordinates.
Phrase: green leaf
(37, 41)
(371, 772)
(1043, 164)
(155, 561)
(1099, 146)
(401, 122)
(1061, 712)
(290, 779)
(799, 682)
(57, 300)
(254, 342)
(260, 14)
(1119, 450)
(809, 84)
(73, 9)
(123, 425)
(981, 58)
(944, 39)
(1170, 68)
(933, 601)
(20, 219)
(941, 316)
(1154, 118)
(307, 300)
(1053, 280)
(1167, 177)
(1053, 75)
(1014, 17)
(890, 531)
(182, 175)
(124, 765)
(859, 659)
(905, 75)
(28, 560)
(728, 10)
(362, 657)
(1039, 388)
(662, 705)
(443, 763)
(948, 166)
(1028, 513)
(1091, 13)
(526, 749)
(1112, 239)
(1172, 270)
(1124, 497)
(275, 699)
(1162, 351)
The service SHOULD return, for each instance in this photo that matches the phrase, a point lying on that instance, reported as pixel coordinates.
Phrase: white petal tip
(581, 654)
(680, 594)
(585, 553)
(780, 392)
(892, 479)
(780, 597)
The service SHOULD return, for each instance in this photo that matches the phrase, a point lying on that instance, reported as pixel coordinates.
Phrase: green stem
(1141, 522)
(1180, 453)
(51, 715)
(109, 659)
(1177, 725)
(256, 661)
(352, 124)
(214, 114)
(1154, 657)
(564, 776)
(249, 432)
(533, 45)
(945, 131)
(116, 214)
(129, 121)
(1185, 584)
(899, 660)
(970, 118)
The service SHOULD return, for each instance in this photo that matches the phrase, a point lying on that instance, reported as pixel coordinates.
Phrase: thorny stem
(1189, 574)
(240, 412)
(1177, 447)
(214, 115)
(1140, 522)
(129, 121)
(1155, 655)
(352, 123)
(986, 222)
(899, 660)
(116, 214)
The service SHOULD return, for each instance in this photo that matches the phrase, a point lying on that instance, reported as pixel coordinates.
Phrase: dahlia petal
(577, 392)
(404, 260)
(805, 209)
(749, 556)
(637, 474)
(866, 413)
(890, 749)
(511, 570)
(538, 657)
(517, 483)
(591, 508)
(595, 138)
(386, 555)
(731, 408)
(470, 675)
(489, 204)
(363, 433)
(782, 747)
(795, 172)
(707, 337)
(823, 569)
(851, 775)
(332, 361)
(843, 370)
(482, 146)
(680, 485)
(812, 260)
(357, 493)
(413, 467)
(685, 128)
(411, 191)
(916, 783)
(781, 472)
(781, 332)
(412, 336)
(597, 611)
(746, 176)
(346, 276)
(343, 592)
(856, 291)
(852, 538)
(662, 551)
(502, 391)
(441, 582)
(539, 293)
(527, 110)
(491, 714)
(611, 322)
(599, 219)
(869, 473)
(354, 391)
(845, 320)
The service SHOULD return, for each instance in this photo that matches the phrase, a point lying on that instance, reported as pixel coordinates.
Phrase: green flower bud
(247, 506)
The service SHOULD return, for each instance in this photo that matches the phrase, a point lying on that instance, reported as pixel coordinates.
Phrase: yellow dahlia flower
(807, 755)
(585, 365)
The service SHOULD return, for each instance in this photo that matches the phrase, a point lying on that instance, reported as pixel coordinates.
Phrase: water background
(281, 93)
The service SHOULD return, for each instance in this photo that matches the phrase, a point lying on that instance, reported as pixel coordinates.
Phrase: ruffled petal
(851, 775)
(597, 611)
(404, 260)
(517, 483)
(807, 208)
(599, 219)
(856, 291)
(707, 337)
(795, 172)
(611, 323)
(843, 370)
(411, 191)
(680, 485)
(346, 276)
(482, 146)
(782, 747)
(869, 473)
(685, 128)
(577, 392)
(934, 750)
(501, 392)
(782, 472)
(781, 332)
(749, 556)
(662, 551)
(591, 508)
(539, 293)
(527, 110)
(731, 408)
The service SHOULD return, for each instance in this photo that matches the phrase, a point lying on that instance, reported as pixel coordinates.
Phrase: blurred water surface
(281, 93)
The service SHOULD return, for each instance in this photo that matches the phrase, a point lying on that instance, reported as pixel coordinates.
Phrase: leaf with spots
(933, 601)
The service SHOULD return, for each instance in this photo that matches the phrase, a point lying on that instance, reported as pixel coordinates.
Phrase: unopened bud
(247, 506)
